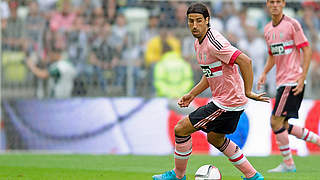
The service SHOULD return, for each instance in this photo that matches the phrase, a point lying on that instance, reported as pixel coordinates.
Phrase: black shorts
(287, 104)
(212, 118)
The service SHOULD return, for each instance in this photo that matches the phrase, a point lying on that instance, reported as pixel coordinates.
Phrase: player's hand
(30, 63)
(258, 97)
(261, 81)
(299, 88)
(185, 100)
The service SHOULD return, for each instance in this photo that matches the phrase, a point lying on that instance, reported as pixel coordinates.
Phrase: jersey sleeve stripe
(210, 33)
(216, 43)
(234, 56)
(302, 45)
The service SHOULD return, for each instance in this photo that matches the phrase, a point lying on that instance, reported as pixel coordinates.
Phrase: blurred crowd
(65, 48)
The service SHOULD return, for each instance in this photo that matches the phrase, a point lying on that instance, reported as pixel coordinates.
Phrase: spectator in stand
(102, 54)
(218, 24)
(154, 46)
(180, 15)
(96, 25)
(111, 10)
(263, 20)
(59, 71)
(46, 6)
(168, 13)
(237, 26)
(98, 13)
(309, 22)
(34, 28)
(150, 31)
(63, 19)
(311, 27)
(13, 30)
(4, 10)
(77, 40)
(154, 51)
(189, 56)
(173, 77)
(87, 8)
(120, 45)
(254, 45)
(89, 3)
(228, 10)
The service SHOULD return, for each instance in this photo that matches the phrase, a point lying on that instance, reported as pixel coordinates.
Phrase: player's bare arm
(40, 73)
(305, 66)
(245, 66)
(263, 77)
(185, 100)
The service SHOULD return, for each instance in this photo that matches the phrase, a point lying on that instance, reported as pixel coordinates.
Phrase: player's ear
(207, 20)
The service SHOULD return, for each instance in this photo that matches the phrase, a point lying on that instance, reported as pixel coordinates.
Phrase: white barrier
(137, 126)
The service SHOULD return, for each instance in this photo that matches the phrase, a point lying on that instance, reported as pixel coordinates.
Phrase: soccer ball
(208, 172)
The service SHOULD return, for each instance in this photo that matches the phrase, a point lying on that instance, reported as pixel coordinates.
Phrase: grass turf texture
(129, 167)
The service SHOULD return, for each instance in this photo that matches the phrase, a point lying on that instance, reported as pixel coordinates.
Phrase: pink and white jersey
(284, 42)
(216, 57)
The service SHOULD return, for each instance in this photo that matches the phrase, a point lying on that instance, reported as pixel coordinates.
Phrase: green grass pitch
(130, 167)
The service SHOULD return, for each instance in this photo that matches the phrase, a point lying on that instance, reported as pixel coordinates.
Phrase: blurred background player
(217, 58)
(59, 70)
(173, 77)
(285, 37)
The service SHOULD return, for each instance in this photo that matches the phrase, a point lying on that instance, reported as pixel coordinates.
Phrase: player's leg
(299, 132)
(225, 122)
(183, 150)
(202, 118)
(183, 145)
(282, 109)
(234, 153)
(303, 133)
(278, 128)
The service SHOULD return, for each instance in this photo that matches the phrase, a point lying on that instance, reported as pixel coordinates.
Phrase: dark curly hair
(199, 8)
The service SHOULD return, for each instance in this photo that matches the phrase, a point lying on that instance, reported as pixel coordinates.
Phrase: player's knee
(179, 129)
(184, 127)
(216, 141)
(276, 124)
(277, 127)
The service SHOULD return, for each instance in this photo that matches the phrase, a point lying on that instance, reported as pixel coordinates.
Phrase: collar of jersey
(204, 36)
(279, 21)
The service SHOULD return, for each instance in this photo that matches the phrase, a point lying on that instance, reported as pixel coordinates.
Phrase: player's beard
(198, 35)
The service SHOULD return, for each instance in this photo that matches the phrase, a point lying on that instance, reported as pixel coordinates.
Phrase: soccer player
(219, 61)
(285, 38)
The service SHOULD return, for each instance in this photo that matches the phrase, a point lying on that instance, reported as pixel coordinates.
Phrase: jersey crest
(203, 57)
